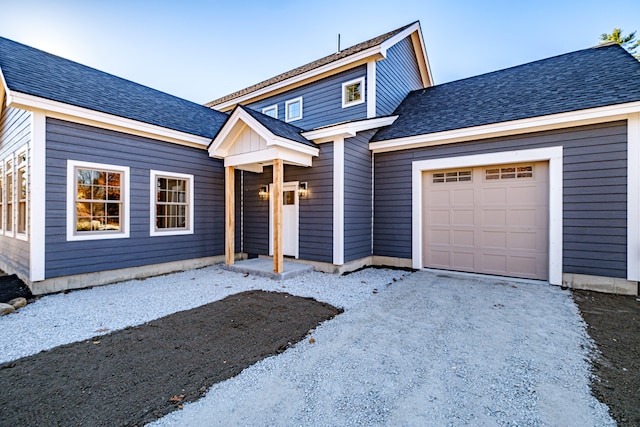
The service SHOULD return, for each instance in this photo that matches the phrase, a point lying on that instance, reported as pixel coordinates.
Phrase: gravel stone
(423, 350)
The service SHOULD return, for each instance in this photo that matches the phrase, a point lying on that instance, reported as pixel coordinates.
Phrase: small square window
(271, 111)
(293, 109)
(353, 92)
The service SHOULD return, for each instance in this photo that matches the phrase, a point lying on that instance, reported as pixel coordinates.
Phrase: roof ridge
(358, 47)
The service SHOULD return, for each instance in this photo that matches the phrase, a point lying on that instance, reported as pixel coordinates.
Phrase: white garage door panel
(491, 220)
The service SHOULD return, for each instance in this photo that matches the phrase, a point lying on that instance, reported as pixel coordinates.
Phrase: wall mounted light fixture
(303, 189)
(264, 192)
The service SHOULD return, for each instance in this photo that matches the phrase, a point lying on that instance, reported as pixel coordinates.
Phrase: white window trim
(551, 154)
(22, 236)
(154, 174)
(5, 199)
(286, 109)
(271, 107)
(71, 208)
(362, 100)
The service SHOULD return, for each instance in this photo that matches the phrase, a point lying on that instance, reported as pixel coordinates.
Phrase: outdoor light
(264, 192)
(302, 189)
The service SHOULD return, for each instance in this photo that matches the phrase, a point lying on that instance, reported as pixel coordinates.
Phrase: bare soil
(614, 325)
(136, 375)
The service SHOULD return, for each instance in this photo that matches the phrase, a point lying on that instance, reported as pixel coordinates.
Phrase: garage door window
(510, 172)
(455, 176)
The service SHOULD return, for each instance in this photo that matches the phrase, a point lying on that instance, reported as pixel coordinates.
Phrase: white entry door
(290, 219)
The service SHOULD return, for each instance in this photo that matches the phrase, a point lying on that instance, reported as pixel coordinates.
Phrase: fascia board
(74, 113)
(347, 130)
(341, 63)
(4, 89)
(421, 53)
(534, 124)
(293, 145)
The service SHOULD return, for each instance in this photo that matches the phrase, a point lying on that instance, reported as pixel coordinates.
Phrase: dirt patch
(134, 376)
(614, 324)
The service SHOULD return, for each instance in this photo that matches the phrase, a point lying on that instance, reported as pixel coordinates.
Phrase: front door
(289, 219)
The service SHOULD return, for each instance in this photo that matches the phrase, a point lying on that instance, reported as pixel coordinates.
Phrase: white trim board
(552, 154)
(37, 208)
(633, 197)
(338, 201)
(534, 124)
(59, 110)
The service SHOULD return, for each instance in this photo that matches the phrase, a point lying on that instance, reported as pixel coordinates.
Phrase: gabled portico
(250, 141)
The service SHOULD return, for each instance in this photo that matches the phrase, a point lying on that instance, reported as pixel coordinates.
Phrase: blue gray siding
(396, 76)
(316, 210)
(594, 204)
(67, 140)
(15, 133)
(321, 101)
(357, 197)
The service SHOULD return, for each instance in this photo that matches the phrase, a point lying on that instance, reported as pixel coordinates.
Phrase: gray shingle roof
(310, 66)
(34, 72)
(589, 78)
(278, 127)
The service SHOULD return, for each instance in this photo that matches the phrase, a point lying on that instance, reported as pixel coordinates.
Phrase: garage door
(491, 220)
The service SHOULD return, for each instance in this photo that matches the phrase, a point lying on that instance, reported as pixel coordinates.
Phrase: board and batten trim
(37, 205)
(338, 201)
(589, 116)
(633, 197)
(552, 154)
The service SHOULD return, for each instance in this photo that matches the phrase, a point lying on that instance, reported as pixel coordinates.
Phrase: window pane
(171, 203)
(294, 110)
(94, 188)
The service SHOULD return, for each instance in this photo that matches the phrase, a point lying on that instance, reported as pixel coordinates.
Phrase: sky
(202, 50)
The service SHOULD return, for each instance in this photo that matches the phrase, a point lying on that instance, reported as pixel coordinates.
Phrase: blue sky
(201, 50)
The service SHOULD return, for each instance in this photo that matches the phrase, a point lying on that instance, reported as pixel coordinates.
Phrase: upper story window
(293, 109)
(97, 201)
(171, 203)
(271, 111)
(353, 92)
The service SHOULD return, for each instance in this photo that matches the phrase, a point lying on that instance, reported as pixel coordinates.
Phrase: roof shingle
(589, 78)
(34, 72)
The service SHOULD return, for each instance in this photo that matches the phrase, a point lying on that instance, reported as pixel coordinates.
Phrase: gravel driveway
(410, 349)
(430, 350)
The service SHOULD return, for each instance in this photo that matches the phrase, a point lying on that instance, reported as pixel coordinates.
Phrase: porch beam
(230, 219)
(278, 186)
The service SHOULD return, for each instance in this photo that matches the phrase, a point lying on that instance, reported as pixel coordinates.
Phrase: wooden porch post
(278, 183)
(230, 219)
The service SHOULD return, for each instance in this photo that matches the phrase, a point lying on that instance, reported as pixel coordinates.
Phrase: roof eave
(350, 61)
(513, 127)
(60, 110)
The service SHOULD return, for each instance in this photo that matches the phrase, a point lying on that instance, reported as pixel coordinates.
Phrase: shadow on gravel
(139, 374)
(12, 287)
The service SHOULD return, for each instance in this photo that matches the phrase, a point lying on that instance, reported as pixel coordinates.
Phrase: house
(355, 159)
